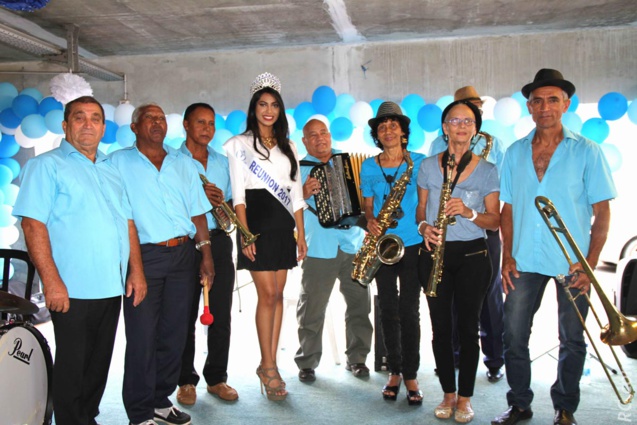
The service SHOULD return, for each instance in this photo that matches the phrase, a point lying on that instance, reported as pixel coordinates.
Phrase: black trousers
(465, 279)
(400, 313)
(220, 300)
(156, 329)
(84, 340)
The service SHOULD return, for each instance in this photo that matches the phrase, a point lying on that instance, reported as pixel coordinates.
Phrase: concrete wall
(596, 61)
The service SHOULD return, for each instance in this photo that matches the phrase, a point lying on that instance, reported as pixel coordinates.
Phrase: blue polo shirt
(163, 201)
(217, 172)
(577, 177)
(373, 184)
(325, 242)
(496, 155)
(86, 211)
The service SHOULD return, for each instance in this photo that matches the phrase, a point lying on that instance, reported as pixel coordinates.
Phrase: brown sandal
(270, 374)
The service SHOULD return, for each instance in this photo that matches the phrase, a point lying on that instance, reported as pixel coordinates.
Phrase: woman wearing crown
(268, 198)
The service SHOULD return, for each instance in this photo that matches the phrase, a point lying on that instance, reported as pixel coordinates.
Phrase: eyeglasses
(456, 122)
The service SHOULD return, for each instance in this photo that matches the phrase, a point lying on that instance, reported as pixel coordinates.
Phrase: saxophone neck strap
(464, 161)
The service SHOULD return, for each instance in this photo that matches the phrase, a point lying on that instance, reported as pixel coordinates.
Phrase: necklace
(390, 179)
(269, 142)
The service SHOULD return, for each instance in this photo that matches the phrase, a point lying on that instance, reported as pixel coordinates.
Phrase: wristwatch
(474, 215)
(198, 245)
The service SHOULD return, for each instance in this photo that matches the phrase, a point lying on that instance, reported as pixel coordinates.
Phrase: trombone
(620, 330)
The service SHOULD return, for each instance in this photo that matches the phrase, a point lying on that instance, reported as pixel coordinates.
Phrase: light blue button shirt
(577, 177)
(373, 183)
(163, 201)
(217, 172)
(86, 211)
(496, 155)
(325, 242)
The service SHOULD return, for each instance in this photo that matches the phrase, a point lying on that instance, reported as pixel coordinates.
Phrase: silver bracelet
(199, 244)
(420, 224)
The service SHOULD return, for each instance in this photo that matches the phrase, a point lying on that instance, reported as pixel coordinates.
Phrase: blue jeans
(519, 308)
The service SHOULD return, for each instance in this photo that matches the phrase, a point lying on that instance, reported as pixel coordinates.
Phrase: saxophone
(385, 249)
(441, 223)
(487, 146)
(228, 220)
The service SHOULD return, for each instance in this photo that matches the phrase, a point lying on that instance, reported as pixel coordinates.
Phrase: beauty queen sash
(264, 172)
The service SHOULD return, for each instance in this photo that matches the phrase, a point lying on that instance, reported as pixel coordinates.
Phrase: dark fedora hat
(549, 77)
(388, 110)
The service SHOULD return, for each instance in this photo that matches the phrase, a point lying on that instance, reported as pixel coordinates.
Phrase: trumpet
(228, 220)
(620, 330)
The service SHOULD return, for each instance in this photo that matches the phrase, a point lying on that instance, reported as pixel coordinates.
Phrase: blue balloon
(519, 97)
(613, 156)
(6, 175)
(429, 117)
(5, 102)
(612, 106)
(33, 126)
(297, 138)
(110, 134)
(494, 128)
(49, 104)
(8, 146)
(113, 147)
(375, 104)
(10, 193)
(220, 122)
(221, 136)
(596, 129)
(343, 104)
(572, 121)
(9, 119)
(6, 219)
(367, 137)
(632, 111)
(13, 165)
(444, 101)
(574, 103)
(324, 100)
(416, 136)
(125, 136)
(8, 89)
(411, 104)
(341, 129)
(53, 121)
(236, 122)
(33, 92)
(302, 112)
(24, 105)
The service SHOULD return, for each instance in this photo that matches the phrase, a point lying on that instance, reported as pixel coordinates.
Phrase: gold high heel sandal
(444, 410)
(465, 415)
(271, 391)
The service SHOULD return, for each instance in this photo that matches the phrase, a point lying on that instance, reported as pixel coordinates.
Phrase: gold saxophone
(228, 220)
(441, 223)
(385, 249)
(487, 146)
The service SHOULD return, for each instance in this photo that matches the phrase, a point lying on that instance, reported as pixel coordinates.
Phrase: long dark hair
(280, 129)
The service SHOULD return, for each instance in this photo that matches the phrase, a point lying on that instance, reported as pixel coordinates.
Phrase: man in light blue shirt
(169, 207)
(330, 255)
(492, 314)
(573, 173)
(79, 233)
(199, 122)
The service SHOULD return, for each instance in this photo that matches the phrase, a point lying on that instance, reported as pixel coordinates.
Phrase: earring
(403, 140)
(445, 137)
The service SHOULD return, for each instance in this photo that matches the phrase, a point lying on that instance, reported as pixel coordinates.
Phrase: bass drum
(25, 375)
(626, 296)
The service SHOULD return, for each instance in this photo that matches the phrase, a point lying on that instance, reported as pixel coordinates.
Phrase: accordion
(338, 203)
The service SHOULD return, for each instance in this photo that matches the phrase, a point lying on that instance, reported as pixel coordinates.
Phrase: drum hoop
(48, 360)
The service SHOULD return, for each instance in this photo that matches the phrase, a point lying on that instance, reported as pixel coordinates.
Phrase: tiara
(265, 80)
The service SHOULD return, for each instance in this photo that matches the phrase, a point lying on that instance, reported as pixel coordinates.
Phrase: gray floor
(339, 398)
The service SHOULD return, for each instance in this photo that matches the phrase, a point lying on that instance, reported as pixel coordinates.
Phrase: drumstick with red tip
(206, 318)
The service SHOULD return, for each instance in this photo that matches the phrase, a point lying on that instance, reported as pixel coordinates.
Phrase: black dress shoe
(307, 375)
(513, 416)
(494, 374)
(564, 417)
(357, 369)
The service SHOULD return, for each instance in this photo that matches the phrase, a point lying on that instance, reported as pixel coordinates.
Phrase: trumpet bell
(621, 331)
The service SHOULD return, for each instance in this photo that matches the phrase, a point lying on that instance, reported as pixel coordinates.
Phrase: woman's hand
(301, 249)
(373, 226)
(249, 251)
(455, 206)
(431, 235)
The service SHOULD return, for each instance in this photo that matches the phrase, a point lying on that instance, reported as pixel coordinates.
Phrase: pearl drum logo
(19, 353)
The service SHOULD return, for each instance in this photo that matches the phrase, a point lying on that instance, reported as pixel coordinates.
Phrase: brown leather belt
(173, 242)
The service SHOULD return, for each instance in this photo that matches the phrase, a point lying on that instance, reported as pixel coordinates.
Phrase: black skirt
(276, 246)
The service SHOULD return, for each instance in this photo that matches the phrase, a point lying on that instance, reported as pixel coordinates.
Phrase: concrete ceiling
(132, 27)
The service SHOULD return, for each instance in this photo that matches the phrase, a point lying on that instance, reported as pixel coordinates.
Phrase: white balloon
(109, 112)
(9, 235)
(523, 127)
(291, 123)
(9, 210)
(124, 114)
(27, 142)
(360, 113)
(507, 111)
(175, 126)
(57, 142)
(488, 103)
(7, 130)
(45, 145)
(321, 118)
